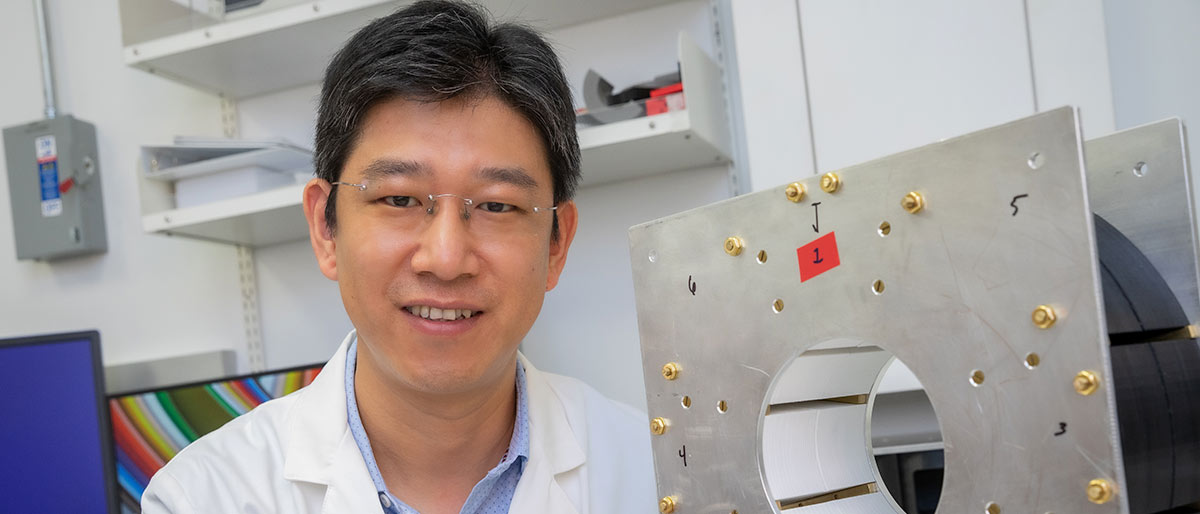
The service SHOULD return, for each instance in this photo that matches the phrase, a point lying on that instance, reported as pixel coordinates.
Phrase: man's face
(397, 265)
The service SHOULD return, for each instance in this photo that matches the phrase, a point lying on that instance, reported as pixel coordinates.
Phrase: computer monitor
(151, 426)
(56, 453)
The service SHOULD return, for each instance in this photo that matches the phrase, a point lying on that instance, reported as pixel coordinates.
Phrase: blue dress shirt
(492, 495)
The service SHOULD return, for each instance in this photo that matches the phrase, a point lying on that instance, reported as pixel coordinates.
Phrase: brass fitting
(658, 426)
(734, 245)
(666, 505)
(1044, 316)
(670, 371)
(1086, 382)
(1100, 491)
(913, 202)
(794, 191)
(830, 182)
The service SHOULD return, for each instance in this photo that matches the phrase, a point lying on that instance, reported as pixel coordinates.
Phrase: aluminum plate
(1006, 227)
(1138, 181)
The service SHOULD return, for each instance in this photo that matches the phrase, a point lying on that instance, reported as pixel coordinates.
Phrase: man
(446, 158)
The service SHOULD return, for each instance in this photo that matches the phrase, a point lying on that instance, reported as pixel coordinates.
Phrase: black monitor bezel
(182, 385)
(107, 444)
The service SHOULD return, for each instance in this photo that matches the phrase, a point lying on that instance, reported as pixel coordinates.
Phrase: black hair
(436, 50)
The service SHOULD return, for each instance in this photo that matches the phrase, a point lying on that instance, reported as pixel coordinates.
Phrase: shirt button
(383, 498)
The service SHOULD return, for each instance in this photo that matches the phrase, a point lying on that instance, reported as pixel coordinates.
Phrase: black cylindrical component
(1156, 381)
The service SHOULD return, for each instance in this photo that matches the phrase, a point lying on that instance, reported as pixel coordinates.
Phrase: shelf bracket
(722, 26)
(216, 8)
(251, 321)
(229, 118)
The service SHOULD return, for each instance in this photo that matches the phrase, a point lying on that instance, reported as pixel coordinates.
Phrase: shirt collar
(518, 446)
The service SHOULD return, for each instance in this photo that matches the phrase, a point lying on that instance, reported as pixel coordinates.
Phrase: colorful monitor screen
(151, 427)
(55, 451)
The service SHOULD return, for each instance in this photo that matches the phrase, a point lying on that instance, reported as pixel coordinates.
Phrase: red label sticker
(818, 256)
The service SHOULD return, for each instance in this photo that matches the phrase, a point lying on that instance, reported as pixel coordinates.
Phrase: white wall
(150, 296)
(1154, 54)
(886, 77)
(840, 83)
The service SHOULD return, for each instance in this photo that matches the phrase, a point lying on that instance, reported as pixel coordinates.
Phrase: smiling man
(446, 158)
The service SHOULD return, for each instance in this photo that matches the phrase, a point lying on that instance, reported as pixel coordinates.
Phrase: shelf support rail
(247, 275)
(251, 320)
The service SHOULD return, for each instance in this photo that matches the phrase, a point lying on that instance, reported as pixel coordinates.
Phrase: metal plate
(996, 239)
(1155, 209)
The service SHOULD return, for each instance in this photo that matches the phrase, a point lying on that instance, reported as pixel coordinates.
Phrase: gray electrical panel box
(54, 185)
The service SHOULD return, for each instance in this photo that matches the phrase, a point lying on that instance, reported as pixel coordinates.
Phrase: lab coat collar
(320, 447)
(317, 426)
(550, 428)
(554, 450)
(321, 450)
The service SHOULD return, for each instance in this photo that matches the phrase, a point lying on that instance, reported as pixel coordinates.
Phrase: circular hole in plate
(877, 287)
(885, 228)
(1032, 360)
(686, 402)
(977, 378)
(1036, 160)
(1141, 169)
(722, 406)
(653, 256)
(762, 256)
(777, 306)
(799, 399)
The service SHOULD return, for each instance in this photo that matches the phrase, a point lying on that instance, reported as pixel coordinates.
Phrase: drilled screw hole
(992, 508)
(1141, 169)
(1036, 160)
(722, 406)
(885, 228)
(777, 306)
(762, 256)
(1032, 360)
(653, 256)
(977, 378)
(686, 402)
(877, 287)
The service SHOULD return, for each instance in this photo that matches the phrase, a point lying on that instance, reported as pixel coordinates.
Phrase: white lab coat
(296, 455)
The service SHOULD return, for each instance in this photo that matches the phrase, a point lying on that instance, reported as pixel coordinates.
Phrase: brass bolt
(658, 426)
(830, 182)
(794, 191)
(1044, 317)
(734, 245)
(1086, 382)
(666, 505)
(1100, 491)
(913, 202)
(670, 371)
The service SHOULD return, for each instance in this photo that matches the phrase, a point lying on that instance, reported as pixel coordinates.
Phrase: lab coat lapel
(320, 447)
(547, 483)
(350, 490)
(539, 491)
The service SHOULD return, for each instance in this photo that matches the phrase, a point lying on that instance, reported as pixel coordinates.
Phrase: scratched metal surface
(1154, 210)
(962, 278)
